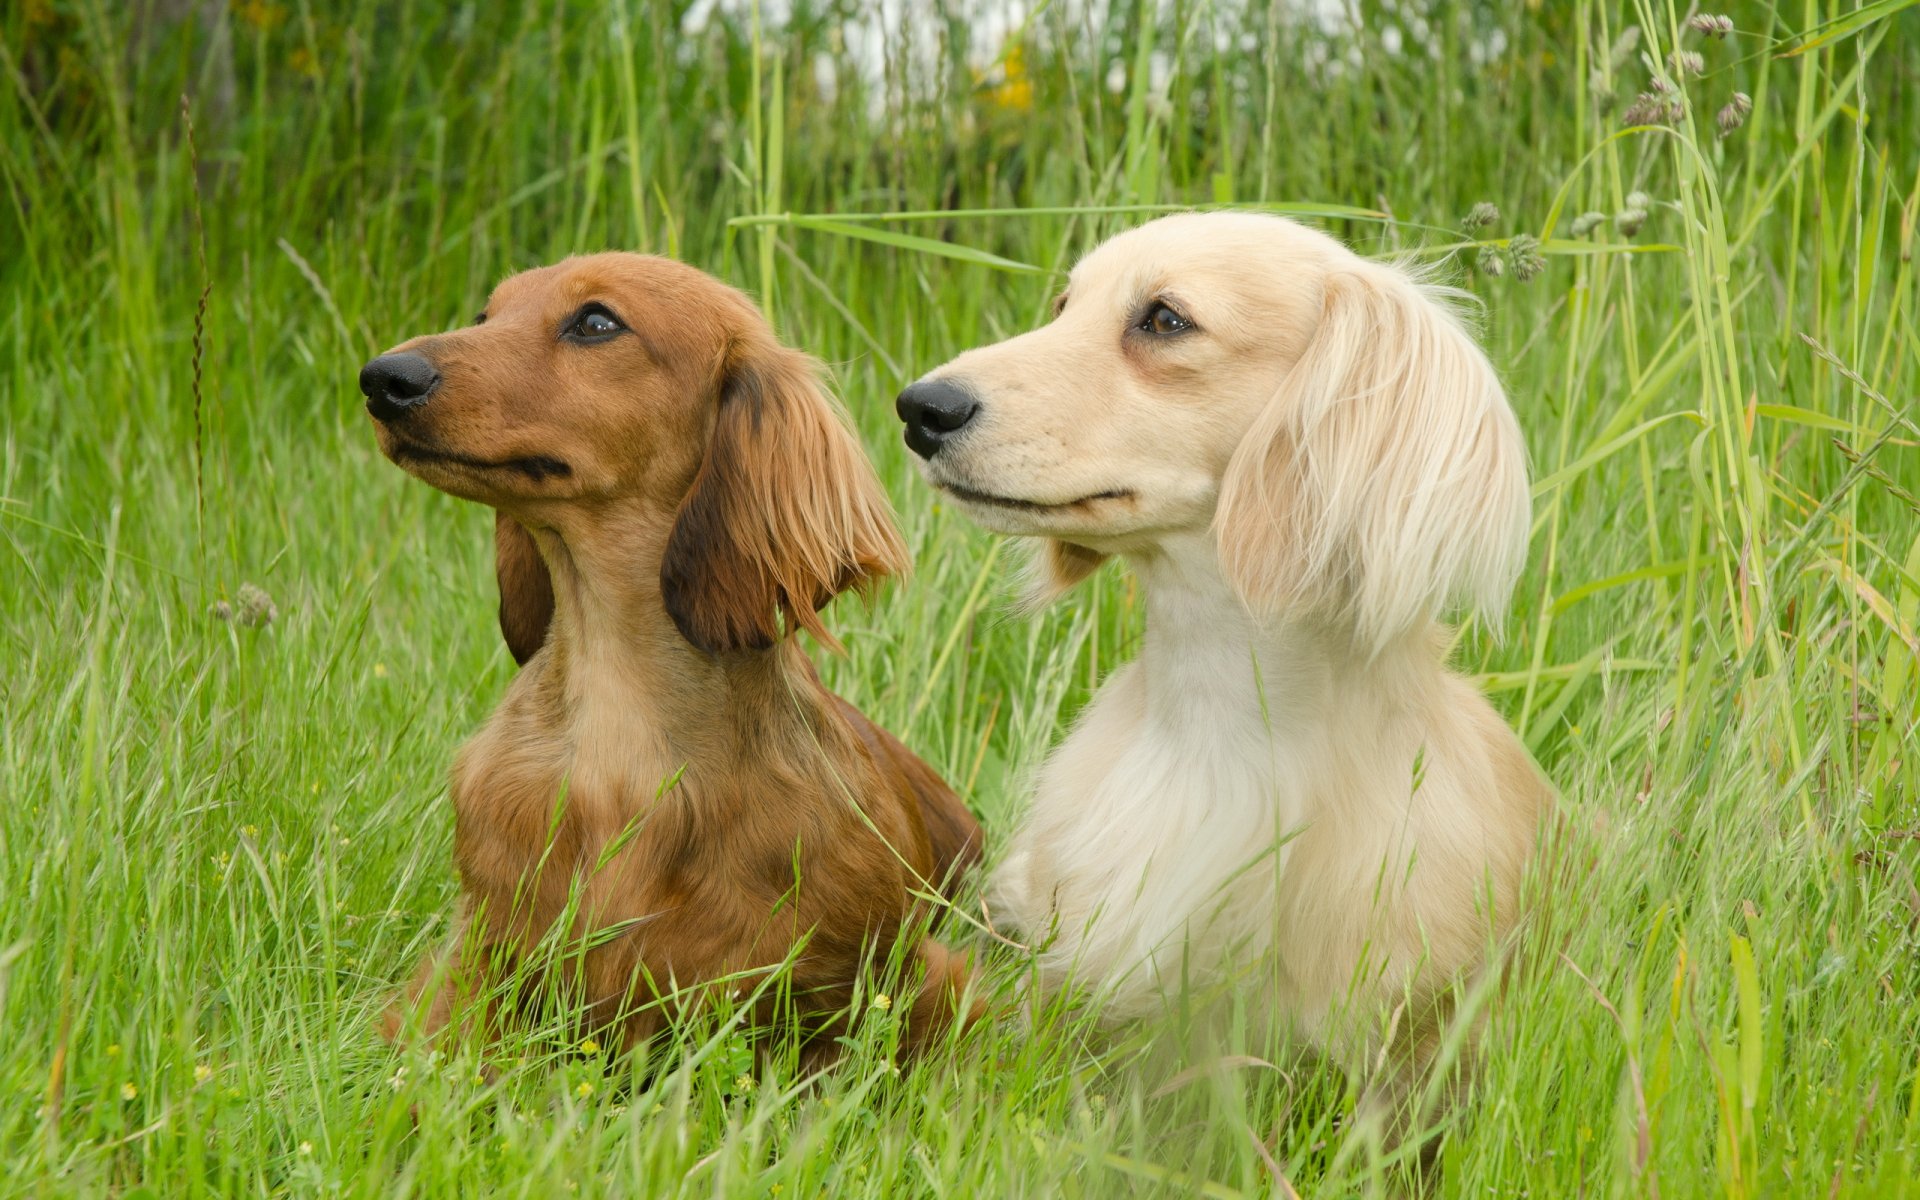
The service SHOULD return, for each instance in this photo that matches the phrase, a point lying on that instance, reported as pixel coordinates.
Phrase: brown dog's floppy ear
(784, 514)
(1387, 477)
(526, 593)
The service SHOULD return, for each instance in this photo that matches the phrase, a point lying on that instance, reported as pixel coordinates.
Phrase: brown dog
(666, 793)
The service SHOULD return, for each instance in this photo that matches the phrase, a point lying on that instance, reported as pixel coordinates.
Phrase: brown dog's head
(620, 389)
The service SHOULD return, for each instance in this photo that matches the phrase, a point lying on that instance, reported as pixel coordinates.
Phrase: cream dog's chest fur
(1237, 808)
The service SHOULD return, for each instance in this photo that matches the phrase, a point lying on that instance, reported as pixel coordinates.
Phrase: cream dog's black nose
(934, 410)
(394, 383)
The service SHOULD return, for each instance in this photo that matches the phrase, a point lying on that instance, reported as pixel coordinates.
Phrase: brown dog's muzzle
(396, 384)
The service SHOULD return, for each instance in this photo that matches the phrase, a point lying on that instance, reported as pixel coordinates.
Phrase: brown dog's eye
(481, 319)
(1164, 321)
(593, 323)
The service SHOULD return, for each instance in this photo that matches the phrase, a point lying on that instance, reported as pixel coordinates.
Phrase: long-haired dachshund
(666, 792)
(1304, 457)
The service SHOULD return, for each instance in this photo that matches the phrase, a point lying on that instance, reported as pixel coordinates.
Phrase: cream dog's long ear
(1053, 568)
(1386, 479)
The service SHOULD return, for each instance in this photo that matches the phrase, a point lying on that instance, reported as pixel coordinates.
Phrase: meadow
(238, 648)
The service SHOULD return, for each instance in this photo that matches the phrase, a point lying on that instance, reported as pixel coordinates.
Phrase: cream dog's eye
(1163, 320)
(592, 324)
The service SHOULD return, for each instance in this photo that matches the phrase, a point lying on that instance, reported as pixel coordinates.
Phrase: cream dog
(1305, 458)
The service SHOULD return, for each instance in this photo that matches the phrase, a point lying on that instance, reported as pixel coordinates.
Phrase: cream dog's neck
(1186, 829)
(1211, 665)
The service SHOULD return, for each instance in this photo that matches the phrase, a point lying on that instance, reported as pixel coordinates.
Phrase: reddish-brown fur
(674, 502)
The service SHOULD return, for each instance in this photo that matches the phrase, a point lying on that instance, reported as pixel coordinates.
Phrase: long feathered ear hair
(784, 514)
(1386, 479)
(1053, 568)
(526, 593)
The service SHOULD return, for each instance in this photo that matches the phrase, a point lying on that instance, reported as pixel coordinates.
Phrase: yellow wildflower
(1013, 90)
(260, 14)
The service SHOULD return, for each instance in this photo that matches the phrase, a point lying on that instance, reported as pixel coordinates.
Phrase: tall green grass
(224, 843)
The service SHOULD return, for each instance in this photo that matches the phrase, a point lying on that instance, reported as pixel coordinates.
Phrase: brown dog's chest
(690, 871)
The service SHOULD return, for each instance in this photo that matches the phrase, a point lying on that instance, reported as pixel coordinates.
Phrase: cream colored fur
(1286, 794)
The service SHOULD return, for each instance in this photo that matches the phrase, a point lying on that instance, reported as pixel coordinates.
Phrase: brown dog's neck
(615, 661)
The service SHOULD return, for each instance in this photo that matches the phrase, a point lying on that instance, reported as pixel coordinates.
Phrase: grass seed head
(1481, 215)
(1587, 222)
(1630, 218)
(1523, 252)
(251, 607)
(1623, 47)
(1687, 62)
(1660, 104)
(1713, 25)
(1489, 263)
(1734, 113)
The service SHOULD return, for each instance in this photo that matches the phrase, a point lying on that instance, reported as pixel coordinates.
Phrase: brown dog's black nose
(934, 410)
(394, 383)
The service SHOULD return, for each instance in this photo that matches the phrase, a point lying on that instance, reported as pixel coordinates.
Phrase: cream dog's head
(1327, 416)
